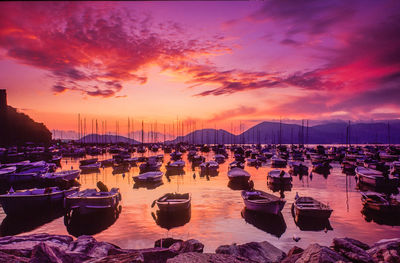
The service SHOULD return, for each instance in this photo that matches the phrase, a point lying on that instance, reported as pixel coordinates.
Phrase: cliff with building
(18, 128)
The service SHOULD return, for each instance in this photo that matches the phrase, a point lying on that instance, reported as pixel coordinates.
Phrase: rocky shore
(60, 248)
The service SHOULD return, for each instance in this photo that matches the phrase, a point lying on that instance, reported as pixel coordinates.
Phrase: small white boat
(308, 207)
(262, 202)
(68, 175)
(172, 202)
(92, 201)
(375, 178)
(238, 175)
(277, 176)
(149, 177)
(19, 202)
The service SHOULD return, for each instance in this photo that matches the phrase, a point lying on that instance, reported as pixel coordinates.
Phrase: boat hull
(19, 204)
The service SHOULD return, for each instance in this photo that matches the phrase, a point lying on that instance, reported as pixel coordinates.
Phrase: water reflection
(14, 225)
(380, 218)
(90, 224)
(272, 224)
(386, 190)
(172, 220)
(311, 224)
(147, 185)
(239, 185)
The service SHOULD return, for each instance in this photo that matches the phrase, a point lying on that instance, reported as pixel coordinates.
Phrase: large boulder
(166, 242)
(316, 254)
(191, 245)
(8, 258)
(130, 257)
(254, 251)
(90, 247)
(22, 246)
(45, 253)
(352, 249)
(194, 257)
(386, 250)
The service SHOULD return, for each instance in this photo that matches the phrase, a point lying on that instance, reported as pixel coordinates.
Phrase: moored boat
(68, 175)
(260, 201)
(308, 207)
(375, 178)
(91, 201)
(238, 175)
(149, 177)
(172, 202)
(19, 202)
(380, 203)
(277, 176)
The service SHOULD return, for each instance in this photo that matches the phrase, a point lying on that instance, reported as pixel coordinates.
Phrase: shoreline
(64, 248)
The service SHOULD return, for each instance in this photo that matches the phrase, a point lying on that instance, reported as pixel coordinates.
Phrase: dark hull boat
(21, 202)
(238, 175)
(308, 207)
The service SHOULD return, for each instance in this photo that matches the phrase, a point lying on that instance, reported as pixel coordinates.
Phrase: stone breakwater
(61, 248)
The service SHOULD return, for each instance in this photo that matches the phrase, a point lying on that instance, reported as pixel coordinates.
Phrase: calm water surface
(217, 215)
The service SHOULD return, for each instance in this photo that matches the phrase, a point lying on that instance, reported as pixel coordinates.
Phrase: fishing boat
(236, 164)
(260, 201)
(19, 202)
(375, 178)
(219, 158)
(209, 167)
(172, 202)
(321, 167)
(277, 176)
(149, 177)
(298, 167)
(177, 165)
(238, 175)
(152, 165)
(380, 203)
(68, 175)
(88, 161)
(90, 167)
(92, 201)
(278, 162)
(308, 207)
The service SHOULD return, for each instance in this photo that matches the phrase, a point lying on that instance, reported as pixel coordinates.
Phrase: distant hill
(98, 138)
(328, 133)
(19, 128)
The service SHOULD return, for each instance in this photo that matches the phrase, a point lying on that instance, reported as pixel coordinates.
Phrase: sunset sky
(212, 62)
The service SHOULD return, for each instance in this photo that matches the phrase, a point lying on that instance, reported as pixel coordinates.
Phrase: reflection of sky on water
(216, 209)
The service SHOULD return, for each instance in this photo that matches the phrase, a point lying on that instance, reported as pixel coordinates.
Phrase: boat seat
(175, 200)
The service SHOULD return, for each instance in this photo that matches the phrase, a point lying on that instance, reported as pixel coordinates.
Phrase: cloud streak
(92, 51)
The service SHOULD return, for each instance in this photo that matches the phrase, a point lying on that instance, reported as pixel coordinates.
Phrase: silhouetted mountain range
(275, 132)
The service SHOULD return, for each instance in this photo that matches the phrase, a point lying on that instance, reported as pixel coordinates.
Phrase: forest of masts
(179, 131)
